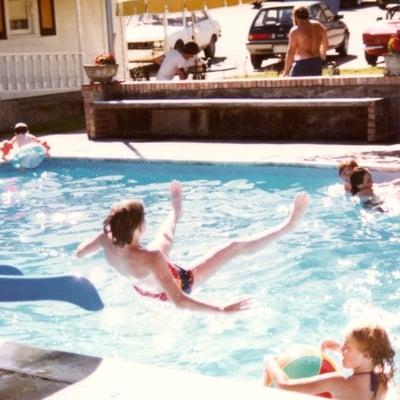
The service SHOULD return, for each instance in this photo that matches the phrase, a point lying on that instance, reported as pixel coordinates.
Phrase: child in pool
(363, 187)
(22, 137)
(120, 241)
(366, 350)
(345, 169)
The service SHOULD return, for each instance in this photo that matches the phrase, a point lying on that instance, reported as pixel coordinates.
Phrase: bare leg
(166, 233)
(209, 264)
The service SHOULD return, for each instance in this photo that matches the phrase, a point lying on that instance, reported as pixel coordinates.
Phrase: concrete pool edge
(33, 373)
(77, 145)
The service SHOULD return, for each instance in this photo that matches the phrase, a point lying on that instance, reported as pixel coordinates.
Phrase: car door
(336, 27)
(202, 28)
(318, 15)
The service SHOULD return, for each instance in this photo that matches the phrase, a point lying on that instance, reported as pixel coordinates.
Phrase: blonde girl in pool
(150, 266)
(366, 350)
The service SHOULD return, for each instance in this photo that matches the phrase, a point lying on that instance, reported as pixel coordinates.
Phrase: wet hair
(301, 12)
(191, 48)
(347, 164)
(373, 342)
(357, 178)
(20, 128)
(123, 220)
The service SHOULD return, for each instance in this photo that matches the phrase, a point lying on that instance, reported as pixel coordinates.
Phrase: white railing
(31, 71)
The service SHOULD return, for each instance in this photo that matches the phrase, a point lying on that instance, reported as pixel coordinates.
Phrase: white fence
(30, 71)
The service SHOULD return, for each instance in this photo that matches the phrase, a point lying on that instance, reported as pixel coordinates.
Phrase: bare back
(127, 260)
(309, 38)
(22, 140)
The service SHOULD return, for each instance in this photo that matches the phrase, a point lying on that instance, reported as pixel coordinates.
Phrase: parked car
(382, 4)
(376, 37)
(269, 31)
(147, 38)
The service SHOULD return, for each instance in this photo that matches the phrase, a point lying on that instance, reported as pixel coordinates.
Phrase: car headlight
(159, 44)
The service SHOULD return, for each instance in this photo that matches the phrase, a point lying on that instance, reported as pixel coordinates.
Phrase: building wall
(94, 32)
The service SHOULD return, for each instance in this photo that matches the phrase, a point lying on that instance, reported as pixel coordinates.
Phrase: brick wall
(40, 109)
(387, 87)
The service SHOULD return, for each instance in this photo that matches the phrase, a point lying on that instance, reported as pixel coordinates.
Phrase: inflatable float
(304, 362)
(14, 286)
(29, 156)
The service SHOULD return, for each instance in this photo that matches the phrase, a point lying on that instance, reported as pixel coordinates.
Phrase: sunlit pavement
(77, 145)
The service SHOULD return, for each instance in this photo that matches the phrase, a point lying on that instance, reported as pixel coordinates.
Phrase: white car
(148, 38)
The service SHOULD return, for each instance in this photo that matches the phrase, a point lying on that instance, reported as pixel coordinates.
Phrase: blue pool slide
(14, 286)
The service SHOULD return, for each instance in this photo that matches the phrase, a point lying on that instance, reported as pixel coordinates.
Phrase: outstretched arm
(291, 51)
(166, 233)
(39, 141)
(89, 246)
(324, 43)
(333, 383)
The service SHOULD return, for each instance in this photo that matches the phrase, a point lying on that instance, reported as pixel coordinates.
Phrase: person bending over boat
(150, 266)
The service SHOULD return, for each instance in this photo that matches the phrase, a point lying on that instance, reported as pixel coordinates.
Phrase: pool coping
(32, 373)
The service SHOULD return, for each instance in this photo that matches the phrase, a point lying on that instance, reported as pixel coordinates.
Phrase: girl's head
(123, 221)
(360, 179)
(345, 170)
(370, 343)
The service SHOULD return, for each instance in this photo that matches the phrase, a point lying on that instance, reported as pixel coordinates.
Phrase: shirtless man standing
(308, 43)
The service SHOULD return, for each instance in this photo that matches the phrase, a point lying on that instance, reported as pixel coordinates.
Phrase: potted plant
(103, 70)
(392, 58)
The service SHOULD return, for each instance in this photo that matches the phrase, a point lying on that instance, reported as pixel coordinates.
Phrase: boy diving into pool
(150, 266)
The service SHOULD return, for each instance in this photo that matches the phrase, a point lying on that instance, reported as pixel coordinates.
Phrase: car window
(273, 16)
(393, 13)
(158, 19)
(200, 16)
(328, 12)
(317, 13)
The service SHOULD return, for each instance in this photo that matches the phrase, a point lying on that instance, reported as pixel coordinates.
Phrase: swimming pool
(341, 260)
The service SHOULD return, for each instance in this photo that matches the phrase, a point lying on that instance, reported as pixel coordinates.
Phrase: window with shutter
(19, 16)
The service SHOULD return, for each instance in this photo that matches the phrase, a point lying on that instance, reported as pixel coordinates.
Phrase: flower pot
(101, 73)
(392, 61)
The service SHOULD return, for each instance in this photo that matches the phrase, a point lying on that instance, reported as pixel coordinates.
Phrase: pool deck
(384, 157)
(31, 373)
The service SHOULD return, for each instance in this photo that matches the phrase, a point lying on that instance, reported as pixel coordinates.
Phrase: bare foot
(300, 205)
(175, 189)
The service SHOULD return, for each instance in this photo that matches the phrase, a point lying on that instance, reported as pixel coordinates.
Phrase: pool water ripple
(340, 260)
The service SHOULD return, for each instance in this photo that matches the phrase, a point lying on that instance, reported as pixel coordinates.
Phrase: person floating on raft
(24, 149)
(120, 240)
(366, 350)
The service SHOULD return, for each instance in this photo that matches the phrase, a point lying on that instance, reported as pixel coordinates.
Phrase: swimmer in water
(22, 137)
(362, 185)
(366, 350)
(345, 169)
(120, 241)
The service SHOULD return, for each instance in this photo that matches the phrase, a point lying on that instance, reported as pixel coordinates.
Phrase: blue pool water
(340, 264)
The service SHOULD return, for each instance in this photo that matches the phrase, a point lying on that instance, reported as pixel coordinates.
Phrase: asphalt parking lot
(235, 23)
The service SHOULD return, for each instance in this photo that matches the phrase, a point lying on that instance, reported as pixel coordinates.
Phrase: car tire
(371, 60)
(209, 51)
(343, 49)
(256, 61)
